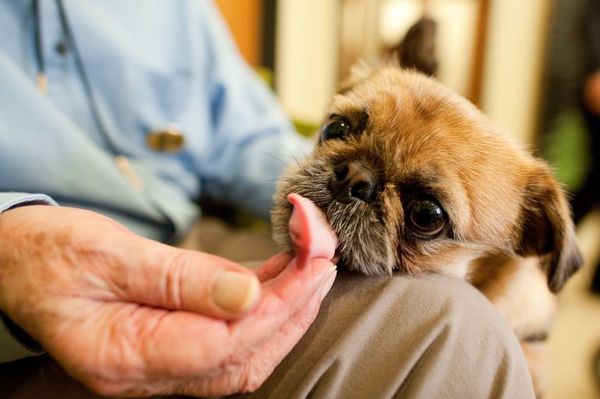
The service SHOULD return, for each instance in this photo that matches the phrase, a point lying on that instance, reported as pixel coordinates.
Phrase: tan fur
(509, 231)
(517, 288)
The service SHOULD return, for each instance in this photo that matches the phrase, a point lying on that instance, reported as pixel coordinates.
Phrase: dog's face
(412, 177)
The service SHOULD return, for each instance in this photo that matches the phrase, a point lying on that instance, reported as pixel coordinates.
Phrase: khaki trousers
(428, 337)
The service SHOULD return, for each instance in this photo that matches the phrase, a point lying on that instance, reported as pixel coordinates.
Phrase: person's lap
(432, 336)
(427, 337)
(375, 337)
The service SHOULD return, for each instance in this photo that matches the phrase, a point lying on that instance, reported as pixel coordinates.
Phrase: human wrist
(11, 331)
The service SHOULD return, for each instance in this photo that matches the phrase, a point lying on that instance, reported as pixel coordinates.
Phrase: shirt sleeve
(253, 139)
(10, 347)
(12, 200)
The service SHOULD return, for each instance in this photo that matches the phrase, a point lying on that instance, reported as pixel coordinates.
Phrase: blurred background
(524, 63)
(492, 52)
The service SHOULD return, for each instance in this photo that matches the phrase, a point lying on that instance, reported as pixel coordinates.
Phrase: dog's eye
(337, 128)
(426, 217)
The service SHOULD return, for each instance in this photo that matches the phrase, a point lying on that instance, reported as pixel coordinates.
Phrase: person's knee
(433, 300)
(383, 336)
(455, 305)
(466, 338)
(435, 291)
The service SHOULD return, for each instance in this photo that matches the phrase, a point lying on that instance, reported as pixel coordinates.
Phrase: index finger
(273, 266)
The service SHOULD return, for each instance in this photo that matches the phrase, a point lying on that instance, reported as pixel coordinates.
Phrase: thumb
(172, 278)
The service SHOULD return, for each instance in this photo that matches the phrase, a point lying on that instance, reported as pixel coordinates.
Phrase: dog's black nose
(353, 181)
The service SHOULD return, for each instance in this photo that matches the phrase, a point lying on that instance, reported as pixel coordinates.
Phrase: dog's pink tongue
(309, 230)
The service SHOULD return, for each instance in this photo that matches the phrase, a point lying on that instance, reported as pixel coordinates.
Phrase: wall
(514, 64)
(243, 18)
(306, 56)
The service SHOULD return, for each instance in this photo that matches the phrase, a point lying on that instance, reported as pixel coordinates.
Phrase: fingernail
(328, 282)
(235, 292)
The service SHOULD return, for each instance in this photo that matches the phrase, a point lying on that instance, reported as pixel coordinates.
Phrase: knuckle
(173, 281)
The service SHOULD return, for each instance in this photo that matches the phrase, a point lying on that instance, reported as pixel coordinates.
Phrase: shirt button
(62, 48)
(169, 139)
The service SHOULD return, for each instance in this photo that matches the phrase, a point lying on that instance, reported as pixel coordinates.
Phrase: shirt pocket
(137, 97)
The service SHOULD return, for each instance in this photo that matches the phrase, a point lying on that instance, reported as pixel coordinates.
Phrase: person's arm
(13, 343)
(253, 138)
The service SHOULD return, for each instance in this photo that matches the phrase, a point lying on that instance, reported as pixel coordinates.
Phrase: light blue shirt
(151, 63)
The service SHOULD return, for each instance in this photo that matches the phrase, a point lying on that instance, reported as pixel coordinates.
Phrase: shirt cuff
(13, 200)
(11, 348)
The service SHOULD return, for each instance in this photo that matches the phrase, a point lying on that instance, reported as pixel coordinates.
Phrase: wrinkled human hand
(132, 317)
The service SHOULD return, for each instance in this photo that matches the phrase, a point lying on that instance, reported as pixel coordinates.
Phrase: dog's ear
(546, 228)
(417, 48)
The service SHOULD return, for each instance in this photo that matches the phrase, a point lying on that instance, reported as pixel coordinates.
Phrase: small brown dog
(413, 178)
